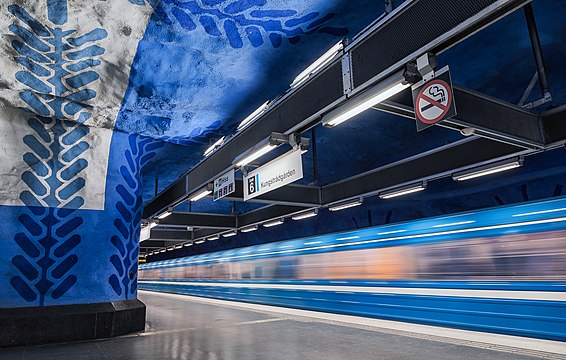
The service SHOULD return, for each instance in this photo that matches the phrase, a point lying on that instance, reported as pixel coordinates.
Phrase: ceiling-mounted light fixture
(345, 204)
(214, 146)
(164, 214)
(358, 104)
(178, 247)
(488, 169)
(262, 148)
(207, 190)
(254, 115)
(305, 214)
(403, 190)
(188, 244)
(230, 233)
(201, 241)
(170, 249)
(162, 250)
(153, 223)
(249, 228)
(213, 238)
(272, 223)
(318, 64)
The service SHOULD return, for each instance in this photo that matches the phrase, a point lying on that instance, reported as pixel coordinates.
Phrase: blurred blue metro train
(499, 270)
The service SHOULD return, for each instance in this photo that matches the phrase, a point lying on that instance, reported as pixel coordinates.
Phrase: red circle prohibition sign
(433, 101)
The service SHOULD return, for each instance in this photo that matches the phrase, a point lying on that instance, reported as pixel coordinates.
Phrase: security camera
(468, 131)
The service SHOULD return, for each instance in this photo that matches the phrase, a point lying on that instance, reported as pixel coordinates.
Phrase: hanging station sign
(224, 185)
(434, 99)
(284, 170)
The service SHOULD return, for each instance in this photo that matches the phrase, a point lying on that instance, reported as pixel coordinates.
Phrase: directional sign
(434, 99)
(224, 185)
(273, 175)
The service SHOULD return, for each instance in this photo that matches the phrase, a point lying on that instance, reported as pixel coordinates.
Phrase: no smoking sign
(434, 100)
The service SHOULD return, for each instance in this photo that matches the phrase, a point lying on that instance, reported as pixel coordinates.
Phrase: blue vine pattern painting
(58, 67)
(50, 221)
(129, 208)
(58, 63)
(243, 20)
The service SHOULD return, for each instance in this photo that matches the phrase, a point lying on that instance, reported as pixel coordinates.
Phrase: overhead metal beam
(300, 109)
(292, 194)
(167, 235)
(491, 118)
(435, 164)
(555, 126)
(200, 220)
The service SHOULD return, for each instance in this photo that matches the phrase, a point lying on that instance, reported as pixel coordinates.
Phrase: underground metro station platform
(269, 179)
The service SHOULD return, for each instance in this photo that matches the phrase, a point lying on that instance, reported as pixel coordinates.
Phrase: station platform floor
(185, 327)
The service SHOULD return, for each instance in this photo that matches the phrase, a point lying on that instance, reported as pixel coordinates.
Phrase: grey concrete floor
(178, 329)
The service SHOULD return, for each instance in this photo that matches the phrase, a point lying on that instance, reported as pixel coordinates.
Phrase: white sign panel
(224, 185)
(273, 175)
(145, 233)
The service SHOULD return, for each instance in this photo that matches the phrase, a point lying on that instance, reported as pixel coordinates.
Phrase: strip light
(213, 238)
(163, 215)
(162, 250)
(179, 247)
(230, 233)
(170, 249)
(188, 244)
(455, 224)
(202, 193)
(273, 223)
(262, 148)
(363, 102)
(318, 64)
(346, 204)
(153, 224)
(403, 191)
(305, 214)
(249, 229)
(214, 146)
(199, 241)
(256, 154)
(254, 115)
(488, 169)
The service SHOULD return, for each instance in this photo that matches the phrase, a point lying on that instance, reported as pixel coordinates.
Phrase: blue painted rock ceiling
(186, 72)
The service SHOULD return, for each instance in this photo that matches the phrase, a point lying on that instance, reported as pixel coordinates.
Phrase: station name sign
(273, 175)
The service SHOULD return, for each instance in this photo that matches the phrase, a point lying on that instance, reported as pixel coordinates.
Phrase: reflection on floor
(186, 328)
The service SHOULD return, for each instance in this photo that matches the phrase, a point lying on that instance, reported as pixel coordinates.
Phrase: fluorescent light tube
(365, 101)
(162, 250)
(318, 64)
(273, 223)
(249, 229)
(199, 241)
(256, 154)
(487, 170)
(230, 233)
(199, 195)
(165, 214)
(178, 246)
(153, 224)
(254, 115)
(402, 191)
(305, 214)
(345, 204)
(188, 244)
(170, 249)
(213, 238)
(214, 146)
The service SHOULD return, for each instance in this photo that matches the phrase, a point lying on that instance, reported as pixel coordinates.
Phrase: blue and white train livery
(499, 270)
